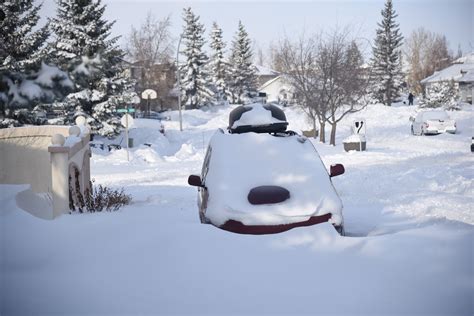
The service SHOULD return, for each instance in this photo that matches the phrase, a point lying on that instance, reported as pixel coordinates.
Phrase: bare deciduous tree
(425, 53)
(328, 76)
(151, 48)
(152, 41)
(343, 79)
(297, 60)
(275, 61)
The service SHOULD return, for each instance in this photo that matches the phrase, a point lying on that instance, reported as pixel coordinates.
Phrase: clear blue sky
(266, 21)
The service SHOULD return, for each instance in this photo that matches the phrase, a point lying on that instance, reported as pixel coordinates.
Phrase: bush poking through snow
(101, 198)
(97, 199)
(442, 94)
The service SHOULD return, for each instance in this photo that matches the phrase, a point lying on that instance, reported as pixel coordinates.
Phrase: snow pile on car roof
(240, 162)
(256, 115)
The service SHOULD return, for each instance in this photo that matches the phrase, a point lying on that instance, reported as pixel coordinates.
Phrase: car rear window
(438, 115)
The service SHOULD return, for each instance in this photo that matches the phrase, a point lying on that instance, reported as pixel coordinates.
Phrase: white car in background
(432, 122)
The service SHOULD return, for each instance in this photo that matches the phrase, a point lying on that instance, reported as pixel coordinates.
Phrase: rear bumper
(440, 131)
(239, 228)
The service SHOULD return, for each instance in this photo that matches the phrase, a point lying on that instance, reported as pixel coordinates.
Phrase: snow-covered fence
(53, 159)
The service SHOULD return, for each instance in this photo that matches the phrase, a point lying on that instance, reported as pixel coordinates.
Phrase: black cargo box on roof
(276, 113)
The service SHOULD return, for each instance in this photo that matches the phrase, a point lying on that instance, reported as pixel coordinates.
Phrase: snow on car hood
(240, 162)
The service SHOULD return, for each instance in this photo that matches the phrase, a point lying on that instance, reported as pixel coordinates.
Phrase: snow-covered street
(408, 210)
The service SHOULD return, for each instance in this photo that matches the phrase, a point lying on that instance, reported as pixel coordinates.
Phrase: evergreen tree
(386, 63)
(194, 79)
(24, 79)
(442, 94)
(218, 65)
(242, 73)
(83, 47)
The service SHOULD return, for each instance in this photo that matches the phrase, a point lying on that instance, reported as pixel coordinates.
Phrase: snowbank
(407, 211)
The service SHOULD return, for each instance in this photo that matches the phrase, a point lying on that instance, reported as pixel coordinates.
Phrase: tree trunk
(314, 128)
(333, 134)
(389, 94)
(322, 132)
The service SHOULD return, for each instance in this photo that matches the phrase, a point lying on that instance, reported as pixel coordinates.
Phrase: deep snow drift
(407, 209)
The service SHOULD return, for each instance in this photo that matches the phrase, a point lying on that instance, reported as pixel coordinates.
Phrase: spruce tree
(218, 65)
(242, 73)
(386, 64)
(194, 79)
(21, 55)
(83, 47)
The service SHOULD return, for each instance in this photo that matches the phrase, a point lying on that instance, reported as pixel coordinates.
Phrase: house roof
(282, 78)
(456, 72)
(468, 76)
(264, 71)
(466, 59)
(269, 82)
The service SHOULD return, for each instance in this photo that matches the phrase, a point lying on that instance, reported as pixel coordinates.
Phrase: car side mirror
(336, 170)
(195, 181)
(412, 118)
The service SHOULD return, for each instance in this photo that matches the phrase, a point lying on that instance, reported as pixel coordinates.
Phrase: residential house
(279, 90)
(265, 74)
(461, 72)
(159, 77)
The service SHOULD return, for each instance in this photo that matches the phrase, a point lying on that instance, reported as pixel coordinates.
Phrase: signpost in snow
(127, 121)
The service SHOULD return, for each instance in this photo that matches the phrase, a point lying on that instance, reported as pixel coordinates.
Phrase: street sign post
(127, 121)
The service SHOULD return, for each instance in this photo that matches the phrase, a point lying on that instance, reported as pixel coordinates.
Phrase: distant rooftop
(466, 59)
(462, 70)
(264, 71)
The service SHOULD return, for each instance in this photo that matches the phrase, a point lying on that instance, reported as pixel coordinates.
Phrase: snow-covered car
(432, 122)
(259, 178)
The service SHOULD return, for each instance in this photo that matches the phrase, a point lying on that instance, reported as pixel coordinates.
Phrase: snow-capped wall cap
(74, 131)
(355, 138)
(58, 140)
(257, 117)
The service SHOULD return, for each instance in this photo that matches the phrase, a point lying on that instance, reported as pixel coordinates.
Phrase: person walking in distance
(410, 99)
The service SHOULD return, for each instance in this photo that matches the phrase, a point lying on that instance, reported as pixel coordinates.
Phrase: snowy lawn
(408, 207)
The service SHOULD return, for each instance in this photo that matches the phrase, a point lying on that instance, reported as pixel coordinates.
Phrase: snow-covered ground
(408, 207)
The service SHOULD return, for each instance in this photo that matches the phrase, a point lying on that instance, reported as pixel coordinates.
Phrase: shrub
(96, 199)
(441, 94)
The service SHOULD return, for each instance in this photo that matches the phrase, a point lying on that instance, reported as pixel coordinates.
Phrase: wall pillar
(59, 175)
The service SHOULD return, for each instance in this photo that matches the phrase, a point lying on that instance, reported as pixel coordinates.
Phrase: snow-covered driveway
(408, 206)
